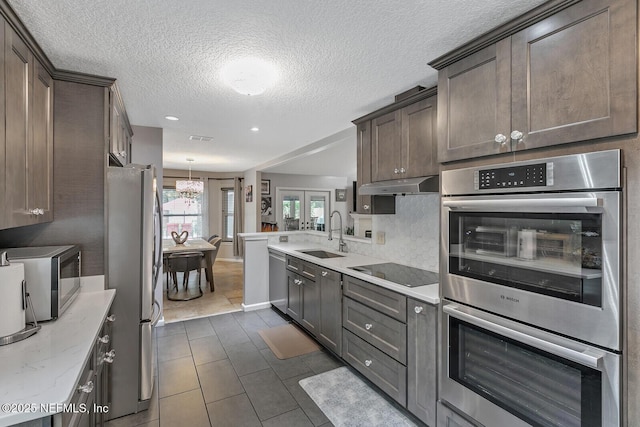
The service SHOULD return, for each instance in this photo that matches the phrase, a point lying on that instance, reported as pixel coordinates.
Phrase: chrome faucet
(342, 246)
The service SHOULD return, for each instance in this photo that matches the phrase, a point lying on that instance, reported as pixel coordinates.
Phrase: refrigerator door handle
(158, 315)
(157, 241)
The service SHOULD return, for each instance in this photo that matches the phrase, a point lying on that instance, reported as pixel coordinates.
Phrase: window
(181, 214)
(227, 214)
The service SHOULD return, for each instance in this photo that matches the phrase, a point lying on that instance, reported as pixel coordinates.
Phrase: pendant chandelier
(189, 189)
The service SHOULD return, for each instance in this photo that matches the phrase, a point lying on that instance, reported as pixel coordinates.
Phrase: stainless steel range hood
(425, 184)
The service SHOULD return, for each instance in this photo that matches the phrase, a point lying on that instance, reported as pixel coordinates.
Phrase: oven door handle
(591, 357)
(566, 202)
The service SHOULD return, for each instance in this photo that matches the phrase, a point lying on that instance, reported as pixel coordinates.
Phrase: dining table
(193, 245)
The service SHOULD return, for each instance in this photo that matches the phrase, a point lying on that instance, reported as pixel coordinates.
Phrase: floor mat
(288, 341)
(348, 401)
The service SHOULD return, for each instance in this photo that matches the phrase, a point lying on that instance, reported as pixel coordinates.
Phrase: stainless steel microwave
(52, 274)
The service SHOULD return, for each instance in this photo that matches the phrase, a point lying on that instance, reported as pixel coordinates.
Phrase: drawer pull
(368, 362)
(109, 356)
(418, 309)
(368, 326)
(87, 388)
(104, 339)
(111, 318)
(324, 274)
(365, 207)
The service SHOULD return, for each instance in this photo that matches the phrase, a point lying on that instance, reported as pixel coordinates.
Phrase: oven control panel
(537, 175)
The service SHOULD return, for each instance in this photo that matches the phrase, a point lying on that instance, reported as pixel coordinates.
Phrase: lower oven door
(503, 373)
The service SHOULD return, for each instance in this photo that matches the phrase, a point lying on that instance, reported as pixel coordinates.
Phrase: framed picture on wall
(341, 194)
(265, 186)
(249, 194)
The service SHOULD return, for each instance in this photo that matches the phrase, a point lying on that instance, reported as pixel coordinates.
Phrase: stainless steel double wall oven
(531, 281)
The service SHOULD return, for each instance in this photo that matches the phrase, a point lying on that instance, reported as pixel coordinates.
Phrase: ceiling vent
(201, 138)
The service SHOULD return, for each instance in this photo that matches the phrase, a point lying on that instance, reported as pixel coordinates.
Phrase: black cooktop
(400, 274)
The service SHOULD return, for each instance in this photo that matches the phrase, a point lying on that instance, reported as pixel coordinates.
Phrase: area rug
(288, 341)
(348, 401)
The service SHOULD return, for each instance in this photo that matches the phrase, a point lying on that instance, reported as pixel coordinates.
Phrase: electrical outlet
(283, 239)
(380, 237)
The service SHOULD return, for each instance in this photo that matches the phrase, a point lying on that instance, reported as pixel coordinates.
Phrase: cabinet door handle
(368, 326)
(297, 281)
(87, 388)
(418, 309)
(324, 274)
(109, 356)
(402, 170)
(500, 139)
(111, 318)
(517, 136)
(104, 339)
(368, 362)
(396, 171)
(365, 207)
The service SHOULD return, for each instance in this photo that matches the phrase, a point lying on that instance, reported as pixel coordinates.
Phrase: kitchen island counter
(43, 370)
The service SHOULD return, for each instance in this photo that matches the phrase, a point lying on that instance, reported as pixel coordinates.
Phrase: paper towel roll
(12, 314)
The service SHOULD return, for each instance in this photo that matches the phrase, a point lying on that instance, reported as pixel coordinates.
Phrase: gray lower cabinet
(382, 331)
(382, 370)
(374, 339)
(303, 294)
(449, 418)
(330, 326)
(310, 317)
(422, 327)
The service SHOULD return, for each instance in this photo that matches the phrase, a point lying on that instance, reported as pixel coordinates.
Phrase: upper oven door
(551, 260)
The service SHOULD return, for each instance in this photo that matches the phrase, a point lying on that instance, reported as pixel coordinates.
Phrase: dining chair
(215, 241)
(184, 263)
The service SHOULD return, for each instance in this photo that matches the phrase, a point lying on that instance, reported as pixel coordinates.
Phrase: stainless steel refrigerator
(134, 259)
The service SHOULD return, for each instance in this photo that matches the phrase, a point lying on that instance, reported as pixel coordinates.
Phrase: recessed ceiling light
(173, 118)
(255, 129)
(249, 76)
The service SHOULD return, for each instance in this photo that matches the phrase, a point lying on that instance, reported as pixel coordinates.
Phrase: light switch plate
(380, 237)
(283, 239)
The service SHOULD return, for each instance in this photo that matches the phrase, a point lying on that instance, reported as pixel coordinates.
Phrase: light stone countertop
(46, 367)
(427, 293)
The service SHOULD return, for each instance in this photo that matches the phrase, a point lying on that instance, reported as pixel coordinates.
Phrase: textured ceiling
(337, 60)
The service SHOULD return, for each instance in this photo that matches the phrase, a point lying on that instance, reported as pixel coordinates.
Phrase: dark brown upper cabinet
(404, 142)
(28, 135)
(564, 72)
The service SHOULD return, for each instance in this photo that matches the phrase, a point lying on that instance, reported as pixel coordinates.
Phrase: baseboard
(253, 307)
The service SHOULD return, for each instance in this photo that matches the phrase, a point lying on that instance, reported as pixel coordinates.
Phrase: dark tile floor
(217, 371)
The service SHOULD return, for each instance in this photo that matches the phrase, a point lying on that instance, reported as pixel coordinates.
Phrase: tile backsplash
(411, 235)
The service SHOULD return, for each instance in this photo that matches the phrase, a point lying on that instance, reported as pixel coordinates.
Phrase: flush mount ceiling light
(189, 189)
(172, 118)
(249, 76)
(255, 129)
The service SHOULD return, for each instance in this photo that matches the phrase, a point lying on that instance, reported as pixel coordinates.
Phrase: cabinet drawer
(380, 369)
(385, 333)
(294, 264)
(301, 267)
(308, 271)
(385, 301)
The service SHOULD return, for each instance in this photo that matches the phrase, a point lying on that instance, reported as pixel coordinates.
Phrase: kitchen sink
(319, 253)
